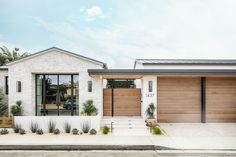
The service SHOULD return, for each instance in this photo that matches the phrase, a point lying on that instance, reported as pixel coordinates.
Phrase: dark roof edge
(36, 53)
(158, 71)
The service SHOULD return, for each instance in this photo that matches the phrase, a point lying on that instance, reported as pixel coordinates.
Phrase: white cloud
(93, 12)
(171, 29)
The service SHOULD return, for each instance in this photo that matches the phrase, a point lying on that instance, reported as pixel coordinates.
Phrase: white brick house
(56, 82)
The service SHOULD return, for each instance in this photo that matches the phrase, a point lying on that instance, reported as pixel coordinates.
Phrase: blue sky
(118, 31)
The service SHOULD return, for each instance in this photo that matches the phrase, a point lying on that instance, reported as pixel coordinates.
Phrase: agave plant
(51, 126)
(85, 126)
(34, 127)
(17, 128)
(67, 127)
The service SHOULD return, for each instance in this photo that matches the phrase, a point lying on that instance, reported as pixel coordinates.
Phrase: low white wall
(43, 121)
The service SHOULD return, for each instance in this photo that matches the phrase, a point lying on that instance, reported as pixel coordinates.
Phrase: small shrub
(56, 132)
(150, 111)
(17, 128)
(34, 127)
(39, 132)
(85, 126)
(67, 127)
(89, 108)
(105, 130)
(51, 126)
(156, 131)
(4, 131)
(22, 131)
(75, 131)
(93, 132)
(16, 110)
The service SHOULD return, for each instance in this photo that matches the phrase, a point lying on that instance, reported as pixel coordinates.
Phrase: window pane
(150, 86)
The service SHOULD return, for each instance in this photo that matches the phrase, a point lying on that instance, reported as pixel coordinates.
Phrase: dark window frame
(44, 91)
(90, 86)
(150, 86)
(6, 85)
(18, 86)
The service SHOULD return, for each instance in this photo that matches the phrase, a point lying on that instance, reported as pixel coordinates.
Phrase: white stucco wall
(148, 97)
(51, 62)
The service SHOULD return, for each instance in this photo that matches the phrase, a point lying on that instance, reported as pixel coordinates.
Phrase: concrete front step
(135, 126)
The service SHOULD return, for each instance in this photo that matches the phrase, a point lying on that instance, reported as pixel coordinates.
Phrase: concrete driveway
(201, 136)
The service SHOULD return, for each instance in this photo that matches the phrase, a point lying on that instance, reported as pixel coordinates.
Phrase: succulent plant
(75, 131)
(34, 127)
(56, 132)
(17, 128)
(39, 132)
(22, 131)
(67, 127)
(93, 132)
(4, 131)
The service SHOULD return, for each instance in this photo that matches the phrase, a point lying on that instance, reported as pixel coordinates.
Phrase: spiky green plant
(34, 127)
(150, 110)
(17, 128)
(67, 127)
(51, 126)
(85, 126)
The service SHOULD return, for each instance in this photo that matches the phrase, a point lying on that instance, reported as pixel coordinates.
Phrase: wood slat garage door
(127, 102)
(221, 99)
(178, 99)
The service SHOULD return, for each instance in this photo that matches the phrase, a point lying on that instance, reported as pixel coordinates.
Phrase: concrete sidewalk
(116, 142)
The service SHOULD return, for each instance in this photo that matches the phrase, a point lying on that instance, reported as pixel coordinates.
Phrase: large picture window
(57, 94)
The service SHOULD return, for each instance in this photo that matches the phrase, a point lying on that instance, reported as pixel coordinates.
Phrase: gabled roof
(186, 61)
(62, 51)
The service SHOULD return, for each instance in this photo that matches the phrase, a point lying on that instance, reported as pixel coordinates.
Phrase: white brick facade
(52, 62)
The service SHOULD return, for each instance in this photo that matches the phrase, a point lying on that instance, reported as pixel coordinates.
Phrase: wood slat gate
(127, 102)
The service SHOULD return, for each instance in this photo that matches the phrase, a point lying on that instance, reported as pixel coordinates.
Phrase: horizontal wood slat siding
(178, 99)
(127, 102)
(221, 99)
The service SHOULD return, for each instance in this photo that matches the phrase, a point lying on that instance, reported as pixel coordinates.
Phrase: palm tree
(7, 56)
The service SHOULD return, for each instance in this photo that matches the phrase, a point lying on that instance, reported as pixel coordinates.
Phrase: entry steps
(131, 126)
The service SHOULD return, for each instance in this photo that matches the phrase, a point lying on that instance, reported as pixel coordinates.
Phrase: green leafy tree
(7, 56)
(3, 104)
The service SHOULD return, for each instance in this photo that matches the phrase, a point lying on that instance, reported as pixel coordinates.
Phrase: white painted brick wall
(148, 97)
(52, 62)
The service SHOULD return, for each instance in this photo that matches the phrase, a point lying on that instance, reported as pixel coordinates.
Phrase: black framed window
(121, 83)
(6, 85)
(150, 86)
(90, 86)
(18, 86)
(57, 94)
